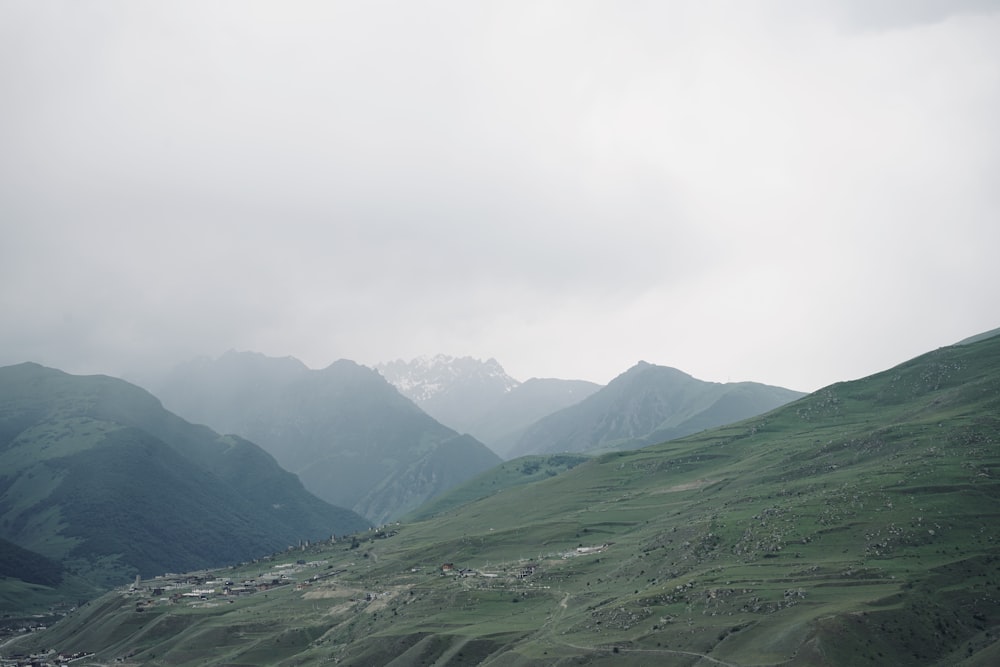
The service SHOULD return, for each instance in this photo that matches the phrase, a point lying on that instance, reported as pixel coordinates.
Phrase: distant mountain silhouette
(645, 405)
(352, 438)
(479, 398)
(456, 391)
(505, 422)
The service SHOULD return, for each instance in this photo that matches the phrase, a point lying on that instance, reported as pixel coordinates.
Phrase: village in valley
(296, 572)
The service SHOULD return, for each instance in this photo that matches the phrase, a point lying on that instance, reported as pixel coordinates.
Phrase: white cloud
(793, 195)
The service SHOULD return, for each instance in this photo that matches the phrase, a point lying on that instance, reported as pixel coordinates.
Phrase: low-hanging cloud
(740, 191)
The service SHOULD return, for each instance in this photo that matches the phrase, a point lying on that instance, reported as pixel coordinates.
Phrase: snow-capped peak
(424, 377)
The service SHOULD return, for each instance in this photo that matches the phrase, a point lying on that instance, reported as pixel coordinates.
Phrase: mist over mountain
(97, 476)
(456, 391)
(502, 425)
(479, 397)
(228, 391)
(349, 435)
(645, 405)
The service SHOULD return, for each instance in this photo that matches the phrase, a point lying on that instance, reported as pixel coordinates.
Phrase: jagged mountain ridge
(98, 476)
(479, 397)
(352, 438)
(456, 391)
(423, 378)
(644, 405)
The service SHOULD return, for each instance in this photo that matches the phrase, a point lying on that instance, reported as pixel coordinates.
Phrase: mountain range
(349, 435)
(100, 479)
(479, 397)
(645, 405)
(454, 390)
(857, 525)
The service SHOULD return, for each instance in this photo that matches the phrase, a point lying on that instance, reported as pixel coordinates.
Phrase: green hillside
(508, 475)
(349, 435)
(28, 566)
(96, 476)
(855, 526)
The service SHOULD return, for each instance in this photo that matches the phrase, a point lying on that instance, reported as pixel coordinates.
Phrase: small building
(526, 571)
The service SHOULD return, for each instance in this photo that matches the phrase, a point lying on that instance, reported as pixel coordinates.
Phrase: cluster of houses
(199, 587)
(583, 551)
(50, 658)
(523, 570)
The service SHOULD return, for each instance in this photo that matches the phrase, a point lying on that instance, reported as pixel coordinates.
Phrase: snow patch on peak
(423, 378)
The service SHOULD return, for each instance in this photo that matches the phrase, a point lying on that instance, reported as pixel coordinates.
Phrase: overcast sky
(794, 192)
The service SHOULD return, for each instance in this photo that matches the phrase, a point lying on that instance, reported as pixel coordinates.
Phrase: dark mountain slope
(29, 566)
(32, 584)
(98, 476)
(645, 405)
(352, 438)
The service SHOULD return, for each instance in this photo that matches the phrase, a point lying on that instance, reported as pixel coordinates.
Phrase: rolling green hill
(859, 525)
(96, 476)
(508, 475)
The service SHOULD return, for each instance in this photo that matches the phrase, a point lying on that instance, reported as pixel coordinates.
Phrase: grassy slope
(856, 526)
(516, 472)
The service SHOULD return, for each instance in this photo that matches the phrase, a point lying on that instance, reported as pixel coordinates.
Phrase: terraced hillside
(855, 526)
